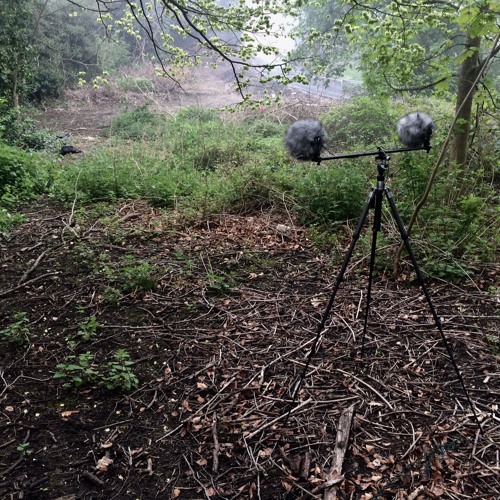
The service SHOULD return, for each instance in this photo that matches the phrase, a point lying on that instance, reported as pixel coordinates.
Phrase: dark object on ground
(69, 150)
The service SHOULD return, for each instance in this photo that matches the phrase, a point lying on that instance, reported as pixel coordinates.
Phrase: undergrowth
(200, 162)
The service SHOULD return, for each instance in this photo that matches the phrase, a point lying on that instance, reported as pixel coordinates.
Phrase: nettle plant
(83, 370)
(87, 330)
(17, 333)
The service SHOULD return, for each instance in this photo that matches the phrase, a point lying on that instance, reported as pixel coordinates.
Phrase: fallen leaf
(437, 490)
(315, 480)
(103, 463)
(265, 453)
(68, 413)
(175, 493)
(252, 490)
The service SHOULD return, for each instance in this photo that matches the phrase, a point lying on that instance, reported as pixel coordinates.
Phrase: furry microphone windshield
(415, 130)
(305, 139)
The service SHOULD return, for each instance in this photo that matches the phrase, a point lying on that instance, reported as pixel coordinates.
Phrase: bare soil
(218, 344)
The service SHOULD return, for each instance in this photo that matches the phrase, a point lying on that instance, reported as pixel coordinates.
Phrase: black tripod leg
(336, 287)
(376, 228)
(420, 278)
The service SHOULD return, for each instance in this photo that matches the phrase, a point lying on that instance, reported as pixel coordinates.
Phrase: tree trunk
(15, 89)
(468, 73)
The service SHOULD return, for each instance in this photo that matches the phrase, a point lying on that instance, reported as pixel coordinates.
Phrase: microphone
(415, 130)
(305, 139)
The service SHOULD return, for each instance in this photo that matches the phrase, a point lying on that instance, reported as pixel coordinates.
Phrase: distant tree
(44, 44)
(19, 22)
(66, 45)
(418, 46)
(186, 32)
(323, 50)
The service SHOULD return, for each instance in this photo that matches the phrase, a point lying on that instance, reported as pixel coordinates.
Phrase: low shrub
(361, 122)
(23, 175)
(136, 124)
(135, 84)
(330, 193)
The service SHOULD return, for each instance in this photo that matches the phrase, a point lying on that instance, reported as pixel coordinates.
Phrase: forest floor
(218, 319)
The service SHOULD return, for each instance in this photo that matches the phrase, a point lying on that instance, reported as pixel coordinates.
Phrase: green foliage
(16, 48)
(46, 84)
(316, 36)
(137, 275)
(113, 55)
(190, 114)
(199, 162)
(193, 160)
(135, 84)
(9, 220)
(83, 370)
(24, 449)
(455, 229)
(362, 122)
(23, 175)
(119, 372)
(137, 124)
(460, 235)
(22, 132)
(243, 191)
(88, 329)
(131, 275)
(44, 46)
(415, 46)
(171, 39)
(78, 370)
(220, 282)
(329, 194)
(17, 333)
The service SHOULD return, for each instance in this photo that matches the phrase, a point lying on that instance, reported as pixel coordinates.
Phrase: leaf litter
(218, 345)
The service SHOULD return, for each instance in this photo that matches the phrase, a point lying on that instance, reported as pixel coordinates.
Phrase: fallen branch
(24, 277)
(277, 419)
(341, 443)
(27, 283)
(367, 385)
(93, 479)
(9, 469)
(215, 452)
(195, 477)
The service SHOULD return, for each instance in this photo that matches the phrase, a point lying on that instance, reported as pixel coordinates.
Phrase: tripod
(374, 202)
